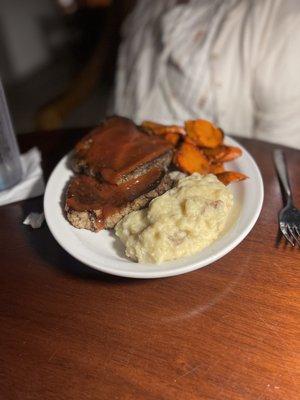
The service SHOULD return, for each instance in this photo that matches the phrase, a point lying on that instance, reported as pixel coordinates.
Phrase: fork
(289, 216)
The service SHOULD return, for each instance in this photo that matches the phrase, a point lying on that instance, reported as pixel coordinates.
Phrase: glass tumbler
(10, 162)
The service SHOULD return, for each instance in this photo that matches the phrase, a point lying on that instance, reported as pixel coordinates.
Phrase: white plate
(104, 252)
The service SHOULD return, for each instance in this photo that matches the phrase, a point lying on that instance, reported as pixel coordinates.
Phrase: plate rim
(168, 272)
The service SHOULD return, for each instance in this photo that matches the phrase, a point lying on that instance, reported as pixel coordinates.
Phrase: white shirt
(241, 70)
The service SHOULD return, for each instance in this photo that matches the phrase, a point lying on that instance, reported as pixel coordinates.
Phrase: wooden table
(227, 331)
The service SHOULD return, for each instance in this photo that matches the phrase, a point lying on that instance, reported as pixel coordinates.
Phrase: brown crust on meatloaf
(87, 219)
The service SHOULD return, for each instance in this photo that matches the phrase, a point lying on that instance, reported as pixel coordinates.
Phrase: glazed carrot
(203, 133)
(216, 168)
(187, 139)
(231, 153)
(172, 138)
(215, 155)
(190, 159)
(230, 176)
(222, 153)
(160, 129)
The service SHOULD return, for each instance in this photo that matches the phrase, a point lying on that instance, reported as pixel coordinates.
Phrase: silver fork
(289, 216)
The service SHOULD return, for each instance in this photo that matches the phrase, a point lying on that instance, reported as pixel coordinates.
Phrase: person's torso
(226, 97)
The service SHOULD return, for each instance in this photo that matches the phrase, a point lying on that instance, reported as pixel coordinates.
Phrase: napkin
(32, 183)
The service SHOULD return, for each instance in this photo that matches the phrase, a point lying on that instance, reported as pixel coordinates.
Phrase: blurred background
(49, 48)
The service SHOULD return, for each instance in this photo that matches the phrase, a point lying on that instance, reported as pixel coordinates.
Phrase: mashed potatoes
(181, 222)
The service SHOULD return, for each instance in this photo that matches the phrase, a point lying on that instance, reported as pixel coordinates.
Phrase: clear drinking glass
(10, 162)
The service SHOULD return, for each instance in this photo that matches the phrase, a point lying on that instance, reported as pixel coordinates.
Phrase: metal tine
(286, 235)
(290, 230)
(289, 216)
(295, 236)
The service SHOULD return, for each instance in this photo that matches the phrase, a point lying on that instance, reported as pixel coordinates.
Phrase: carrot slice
(203, 133)
(216, 168)
(222, 153)
(172, 138)
(215, 155)
(160, 129)
(187, 139)
(231, 153)
(230, 176)
(190, 159)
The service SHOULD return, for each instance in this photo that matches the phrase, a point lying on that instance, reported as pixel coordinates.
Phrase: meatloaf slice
(118, 151)
(95, 205)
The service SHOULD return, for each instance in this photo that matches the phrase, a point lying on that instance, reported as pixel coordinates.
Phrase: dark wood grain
(227, 331)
